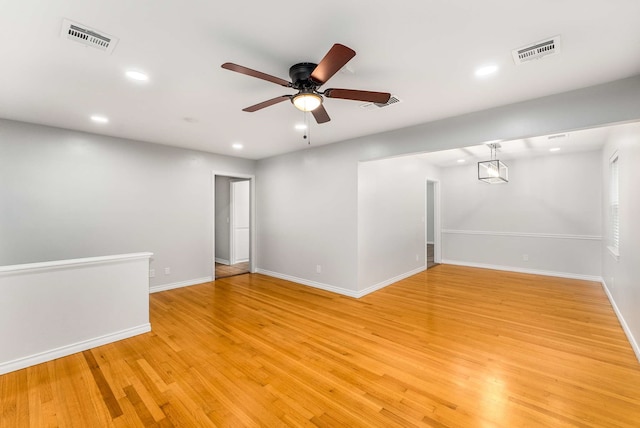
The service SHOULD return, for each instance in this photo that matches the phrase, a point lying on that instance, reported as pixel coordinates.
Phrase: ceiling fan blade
(253, 73)
(352, 94)
(267, 103)
(320, 114)
(333, 61)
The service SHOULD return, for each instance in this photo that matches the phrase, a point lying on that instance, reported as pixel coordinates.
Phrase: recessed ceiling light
(99, 119)
(461, 161)
(237, 146)
(554, 149)
(137, 76)
(486, 70)
(301, 126)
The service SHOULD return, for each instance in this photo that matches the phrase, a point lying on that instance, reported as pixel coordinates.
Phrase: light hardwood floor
(223, 271)
(449, 347)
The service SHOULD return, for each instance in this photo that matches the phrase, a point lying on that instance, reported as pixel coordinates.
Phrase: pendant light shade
(493, 171)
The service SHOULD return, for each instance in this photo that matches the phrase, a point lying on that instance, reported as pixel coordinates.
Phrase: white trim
(430, 243)
(340, 290)
(525, 270)
(623, 323)
(75, 262)
(63, 351)
(253, 243)
(390, 281)
(165, 287)
(437, 214)
(524, 234)
(314, 284)
(223, 261)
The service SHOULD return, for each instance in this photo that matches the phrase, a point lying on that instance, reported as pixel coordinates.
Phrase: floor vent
(537, 50)
(87, 36)
(370, 106)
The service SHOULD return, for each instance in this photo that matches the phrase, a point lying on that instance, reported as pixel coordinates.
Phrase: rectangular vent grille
(87, 36)
(369, 106)
(537, 50)
(554, 137)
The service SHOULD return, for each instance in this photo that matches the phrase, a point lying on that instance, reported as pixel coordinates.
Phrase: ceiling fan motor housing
(300, 75)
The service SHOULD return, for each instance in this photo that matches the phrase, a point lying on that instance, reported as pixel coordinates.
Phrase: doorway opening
(432, 229)
(233, 231)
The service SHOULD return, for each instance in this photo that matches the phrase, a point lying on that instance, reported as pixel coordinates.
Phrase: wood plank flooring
(449, 347)
(223, 271)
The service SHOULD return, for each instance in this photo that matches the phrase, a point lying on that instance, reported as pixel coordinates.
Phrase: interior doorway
(432, 229)
(233, 237)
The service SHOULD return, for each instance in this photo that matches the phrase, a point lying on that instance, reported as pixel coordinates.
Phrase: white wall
(52, 309)
(307, 200)
(391, 219)
(223, 218)
(67, 194)
(622, 276)
(306, 213)
(548, 213)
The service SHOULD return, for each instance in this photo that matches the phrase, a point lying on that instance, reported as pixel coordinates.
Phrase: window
(614, 210)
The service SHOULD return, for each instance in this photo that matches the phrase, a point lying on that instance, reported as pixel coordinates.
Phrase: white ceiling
(425, 52)
(569, 142)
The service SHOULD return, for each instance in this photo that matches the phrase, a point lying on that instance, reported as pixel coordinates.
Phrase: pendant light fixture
(493, 171)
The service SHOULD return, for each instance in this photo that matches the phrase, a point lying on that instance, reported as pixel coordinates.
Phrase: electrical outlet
(525, 257)
(152, 273)
(318, 269)
(417, 257)
(167, 271)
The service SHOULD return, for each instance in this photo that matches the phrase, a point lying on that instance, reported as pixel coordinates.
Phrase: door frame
(232, 223)
(252, 217)
(437, 229)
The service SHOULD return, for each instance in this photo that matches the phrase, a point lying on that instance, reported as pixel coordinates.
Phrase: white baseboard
(314, 284)
(165, 287)
(524, 270)
(623, 322)
(431, 243)
(390, 281)
(63, 351)
(223, 261)
(340, 290)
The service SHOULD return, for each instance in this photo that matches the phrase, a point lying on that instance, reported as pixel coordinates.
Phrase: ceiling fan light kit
(306, 101)
(306, 78)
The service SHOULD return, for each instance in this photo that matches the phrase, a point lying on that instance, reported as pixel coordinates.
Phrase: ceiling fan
(306, 78)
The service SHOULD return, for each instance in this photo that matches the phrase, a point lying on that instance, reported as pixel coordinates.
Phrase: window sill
(614, 253)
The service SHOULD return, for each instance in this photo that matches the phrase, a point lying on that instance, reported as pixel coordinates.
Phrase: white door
(240, 221)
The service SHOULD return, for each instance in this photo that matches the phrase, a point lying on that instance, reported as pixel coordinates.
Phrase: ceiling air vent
(537, 50)
(87, 36)
(369, 106)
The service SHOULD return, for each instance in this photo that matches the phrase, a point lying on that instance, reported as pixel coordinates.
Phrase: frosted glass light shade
(307, 101)
(493, 172)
